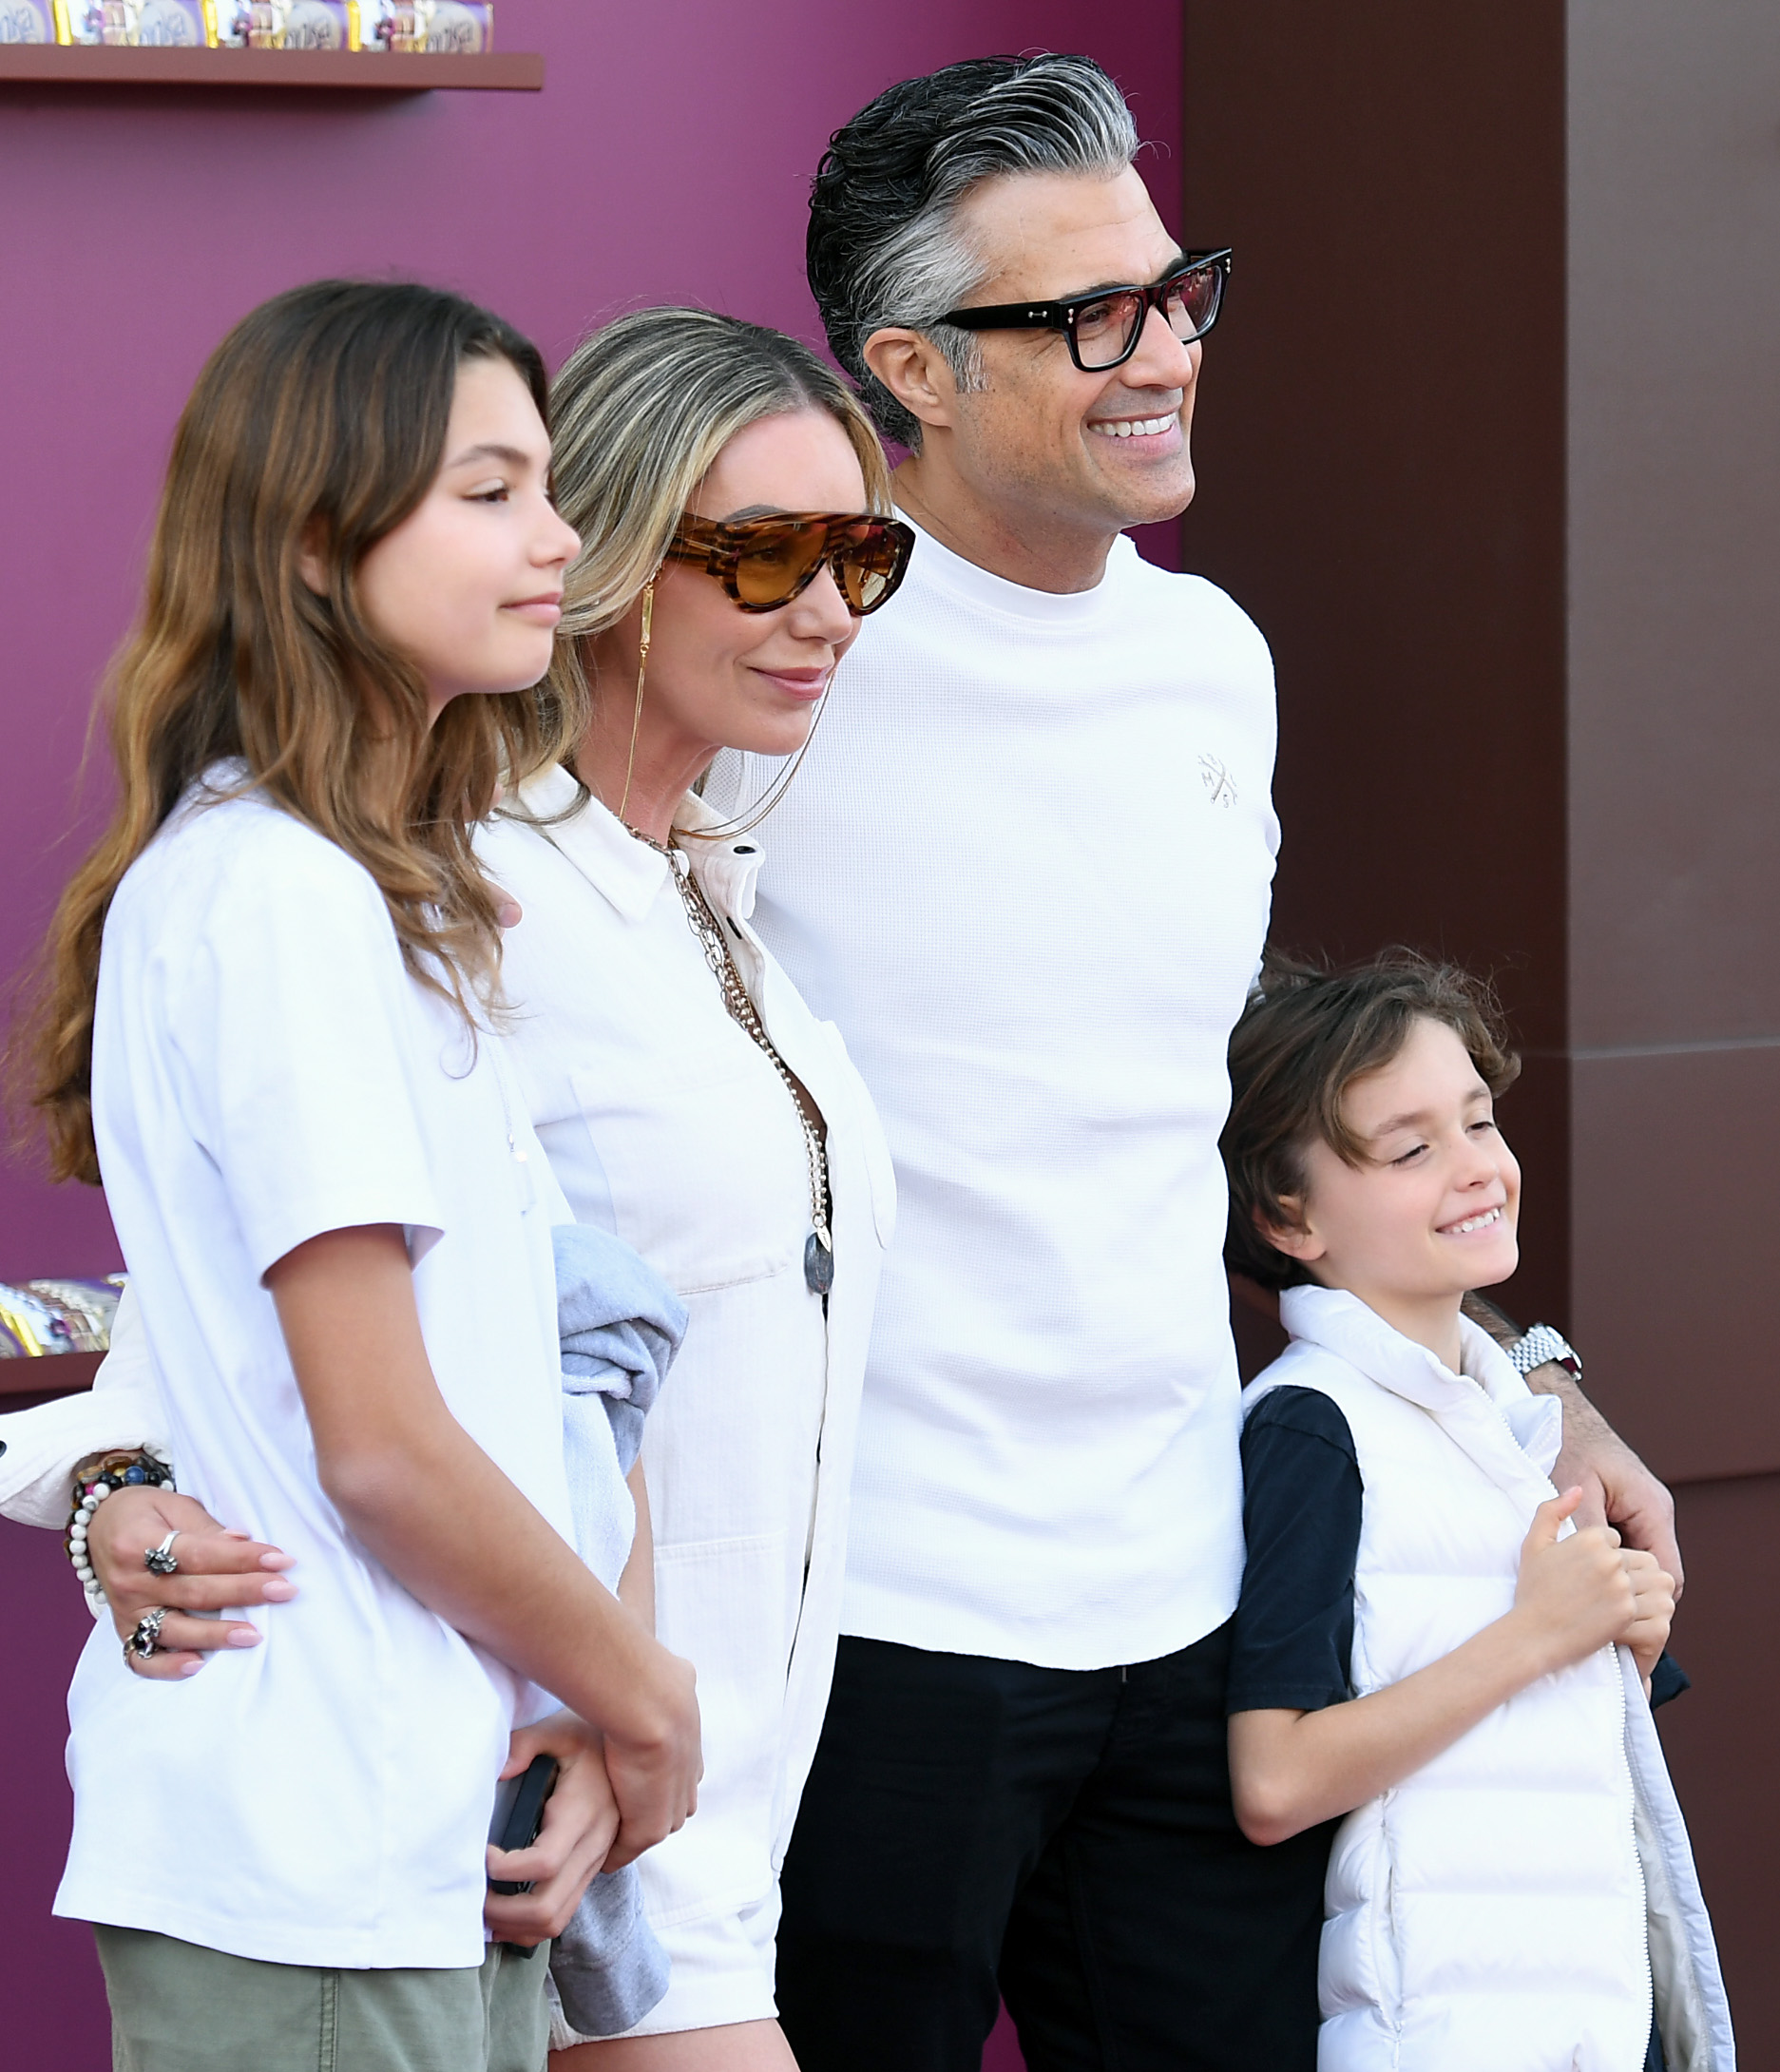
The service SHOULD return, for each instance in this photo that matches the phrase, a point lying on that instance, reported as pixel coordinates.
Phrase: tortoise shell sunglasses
(764, 563)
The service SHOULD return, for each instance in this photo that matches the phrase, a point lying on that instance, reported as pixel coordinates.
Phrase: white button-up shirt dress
(667, 1125)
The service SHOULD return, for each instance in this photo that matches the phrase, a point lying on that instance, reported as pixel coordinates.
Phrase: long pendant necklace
(818, 1251)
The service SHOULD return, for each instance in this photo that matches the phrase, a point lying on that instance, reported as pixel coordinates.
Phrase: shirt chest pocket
(705, 1160)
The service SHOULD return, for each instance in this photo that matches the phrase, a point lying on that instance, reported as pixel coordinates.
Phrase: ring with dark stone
(145, 1639)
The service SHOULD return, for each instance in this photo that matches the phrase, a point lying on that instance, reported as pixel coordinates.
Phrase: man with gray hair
(1026, 867)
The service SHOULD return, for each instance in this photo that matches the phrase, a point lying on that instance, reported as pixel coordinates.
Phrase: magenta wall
(666, 159)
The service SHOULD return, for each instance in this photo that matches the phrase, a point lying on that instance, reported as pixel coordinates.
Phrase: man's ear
(310, 564)
(915, 372)
(1294, 1235)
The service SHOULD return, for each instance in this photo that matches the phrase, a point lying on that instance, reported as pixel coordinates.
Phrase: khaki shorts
(179, 2007)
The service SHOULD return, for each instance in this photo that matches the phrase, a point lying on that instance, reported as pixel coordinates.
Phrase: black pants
(976, 1829)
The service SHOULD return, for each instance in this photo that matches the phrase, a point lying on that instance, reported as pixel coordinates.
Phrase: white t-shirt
(265, 1070)
(1026, 867)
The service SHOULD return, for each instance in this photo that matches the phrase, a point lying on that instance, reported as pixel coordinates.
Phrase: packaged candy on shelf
(29, 21)
(173, 23)
(393, 24)
(269, 20)
(234, 23)
(321, 25)
(96, 21)
(39, 1318)
(80, 21)
(462, 28)
(457, 27)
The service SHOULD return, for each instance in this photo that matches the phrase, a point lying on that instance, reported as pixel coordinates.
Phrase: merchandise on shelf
(321, 25)
(458, 28)
(28, 21)
(38, 1317)
(453, 27)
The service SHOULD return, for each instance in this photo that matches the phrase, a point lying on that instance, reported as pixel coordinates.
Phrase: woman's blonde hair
(318, 425)
(639, 414)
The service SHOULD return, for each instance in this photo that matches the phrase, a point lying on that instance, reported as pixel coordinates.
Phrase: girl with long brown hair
(268, 1026)
(734, 504)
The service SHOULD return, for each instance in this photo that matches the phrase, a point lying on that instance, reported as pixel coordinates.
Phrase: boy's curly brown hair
(1306, 1035)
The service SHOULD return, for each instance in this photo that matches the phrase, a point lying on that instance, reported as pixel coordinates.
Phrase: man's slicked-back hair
(884, 246)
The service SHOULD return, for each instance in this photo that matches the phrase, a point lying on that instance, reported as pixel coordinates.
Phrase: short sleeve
(1668, 1680)
(1302, 1497)
(300, 1035)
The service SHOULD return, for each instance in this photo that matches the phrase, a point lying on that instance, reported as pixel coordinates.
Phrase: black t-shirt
(1301, 1501)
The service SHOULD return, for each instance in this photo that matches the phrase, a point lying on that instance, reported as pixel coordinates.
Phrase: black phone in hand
(519, 1813)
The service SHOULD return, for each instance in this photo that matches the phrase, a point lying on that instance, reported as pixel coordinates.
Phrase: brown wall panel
(1381, 457)
(1489, 444)
(1535, 1115)
(1673, 1253)
(1675, 536)
(1720, 1735)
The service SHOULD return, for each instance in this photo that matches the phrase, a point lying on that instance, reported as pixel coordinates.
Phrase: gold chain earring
(636, 718)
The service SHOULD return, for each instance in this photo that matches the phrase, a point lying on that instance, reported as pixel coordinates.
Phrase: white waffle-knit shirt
(1026, 867)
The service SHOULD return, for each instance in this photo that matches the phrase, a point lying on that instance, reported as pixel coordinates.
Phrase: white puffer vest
(1504, 1908)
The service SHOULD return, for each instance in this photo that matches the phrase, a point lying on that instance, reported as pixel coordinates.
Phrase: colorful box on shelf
(40, 1317)
(186, 25)
(455, 27)
(28, 21)
(458, 28)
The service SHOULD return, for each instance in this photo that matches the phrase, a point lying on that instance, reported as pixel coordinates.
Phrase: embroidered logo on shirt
(1216, 781)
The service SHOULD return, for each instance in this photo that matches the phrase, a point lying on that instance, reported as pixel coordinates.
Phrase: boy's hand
(580, 1821)
(1575, 1595)
(1652, 1588)
(219, 1570)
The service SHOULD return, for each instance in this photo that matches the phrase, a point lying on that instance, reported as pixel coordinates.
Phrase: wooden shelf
(40, 1380)
(365, 71)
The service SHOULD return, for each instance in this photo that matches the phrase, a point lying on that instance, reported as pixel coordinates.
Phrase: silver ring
(145, 1639)
(161, 1561)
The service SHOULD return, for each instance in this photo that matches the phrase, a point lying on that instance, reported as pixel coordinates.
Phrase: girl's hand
(580, 1823)
(655, 1766)
(1652, 1588)
(218, 1569)
(1574, 1595)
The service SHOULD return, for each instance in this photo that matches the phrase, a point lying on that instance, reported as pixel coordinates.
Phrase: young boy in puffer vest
(1425, 1644)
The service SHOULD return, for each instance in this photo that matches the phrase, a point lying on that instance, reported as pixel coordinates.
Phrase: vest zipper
(1638, 1861)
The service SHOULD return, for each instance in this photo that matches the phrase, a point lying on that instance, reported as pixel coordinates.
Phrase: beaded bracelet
(145, 1468)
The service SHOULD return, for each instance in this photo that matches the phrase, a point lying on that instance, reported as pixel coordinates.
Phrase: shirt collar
(1342, 1324)
(964, 580)
(629, 872)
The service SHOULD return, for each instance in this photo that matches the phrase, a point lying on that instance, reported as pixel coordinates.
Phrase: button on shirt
(1026, 867)
(264, 1070)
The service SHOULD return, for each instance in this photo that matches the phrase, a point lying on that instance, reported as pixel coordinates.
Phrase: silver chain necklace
(819, 1252)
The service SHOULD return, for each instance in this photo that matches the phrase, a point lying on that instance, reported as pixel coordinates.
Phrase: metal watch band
(1541, 1344)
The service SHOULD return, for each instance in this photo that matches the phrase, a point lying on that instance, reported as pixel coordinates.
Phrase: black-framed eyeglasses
(1103, 328)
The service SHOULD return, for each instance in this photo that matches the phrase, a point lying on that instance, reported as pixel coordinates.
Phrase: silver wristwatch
(1542, 1344)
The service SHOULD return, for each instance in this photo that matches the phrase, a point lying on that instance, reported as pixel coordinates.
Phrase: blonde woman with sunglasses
(735, 507)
